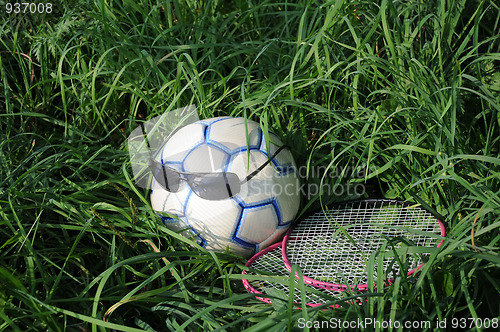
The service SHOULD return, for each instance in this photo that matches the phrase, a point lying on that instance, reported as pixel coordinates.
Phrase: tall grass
(405, 93)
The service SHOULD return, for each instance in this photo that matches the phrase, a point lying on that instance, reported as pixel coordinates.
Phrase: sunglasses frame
(155, 165)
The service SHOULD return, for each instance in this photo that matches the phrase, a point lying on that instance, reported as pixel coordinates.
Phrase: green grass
(408, 90)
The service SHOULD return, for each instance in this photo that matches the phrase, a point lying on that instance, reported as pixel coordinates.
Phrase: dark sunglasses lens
(215, 186)
(167, 177)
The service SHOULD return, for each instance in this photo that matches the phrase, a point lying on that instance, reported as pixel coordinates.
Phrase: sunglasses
(211, 186)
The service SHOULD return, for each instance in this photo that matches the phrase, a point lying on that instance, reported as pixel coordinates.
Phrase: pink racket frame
(246, 283)
(339, 287)
(251, 289)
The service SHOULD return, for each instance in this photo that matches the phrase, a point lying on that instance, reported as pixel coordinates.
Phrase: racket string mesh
(335, 246)
(271, 264)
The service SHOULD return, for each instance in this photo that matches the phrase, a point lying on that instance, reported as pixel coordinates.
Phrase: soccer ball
(252, 218)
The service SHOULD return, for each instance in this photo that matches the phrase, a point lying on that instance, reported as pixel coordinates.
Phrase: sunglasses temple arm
(254, 173)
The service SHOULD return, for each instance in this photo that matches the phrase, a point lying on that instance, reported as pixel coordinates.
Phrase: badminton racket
(333, 248)
(269, 262)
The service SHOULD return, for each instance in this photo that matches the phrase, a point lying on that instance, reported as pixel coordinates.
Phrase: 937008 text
(28, 8)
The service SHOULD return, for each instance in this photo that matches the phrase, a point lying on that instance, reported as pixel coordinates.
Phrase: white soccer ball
(247, 222)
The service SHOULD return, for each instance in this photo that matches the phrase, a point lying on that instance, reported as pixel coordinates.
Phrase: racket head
(335, 258)
(270, 262)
